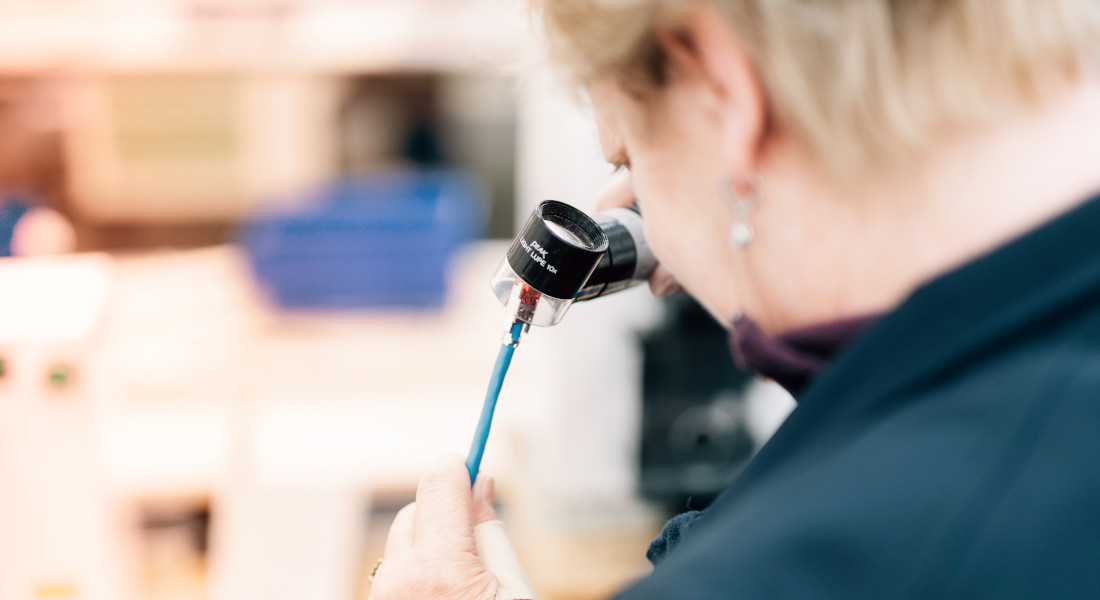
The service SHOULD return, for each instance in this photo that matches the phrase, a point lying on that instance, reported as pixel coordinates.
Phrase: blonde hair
(861, 82)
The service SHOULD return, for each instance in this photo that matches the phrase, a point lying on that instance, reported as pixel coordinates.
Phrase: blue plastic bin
(366, 241)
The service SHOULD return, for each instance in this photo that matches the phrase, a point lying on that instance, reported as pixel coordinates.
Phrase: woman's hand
(431, 551)
(619, 193)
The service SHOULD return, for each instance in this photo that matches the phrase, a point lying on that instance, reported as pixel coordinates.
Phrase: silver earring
(741, 233)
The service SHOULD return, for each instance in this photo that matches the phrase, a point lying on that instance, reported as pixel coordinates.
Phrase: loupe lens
(566, 235)
(571, 225)
(557, 249)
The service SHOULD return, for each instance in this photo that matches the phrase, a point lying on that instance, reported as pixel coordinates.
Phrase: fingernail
(485, 493)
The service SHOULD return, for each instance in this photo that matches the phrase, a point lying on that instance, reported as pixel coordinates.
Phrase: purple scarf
(794, 357)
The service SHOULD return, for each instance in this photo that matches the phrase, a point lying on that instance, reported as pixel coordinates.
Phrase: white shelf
(331, 36)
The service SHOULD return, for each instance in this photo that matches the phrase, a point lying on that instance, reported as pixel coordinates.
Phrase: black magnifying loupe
(562, 255)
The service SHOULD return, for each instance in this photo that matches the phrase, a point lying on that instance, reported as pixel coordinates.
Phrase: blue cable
(481, 435)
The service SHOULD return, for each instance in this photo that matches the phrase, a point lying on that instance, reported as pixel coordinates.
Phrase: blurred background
(244, 302)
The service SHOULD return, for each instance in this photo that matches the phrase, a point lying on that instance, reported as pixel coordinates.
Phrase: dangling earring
(742, 206)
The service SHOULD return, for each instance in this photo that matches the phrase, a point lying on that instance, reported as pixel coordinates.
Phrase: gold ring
(374, 571)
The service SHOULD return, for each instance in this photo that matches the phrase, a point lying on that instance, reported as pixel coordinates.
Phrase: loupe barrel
(628, 260)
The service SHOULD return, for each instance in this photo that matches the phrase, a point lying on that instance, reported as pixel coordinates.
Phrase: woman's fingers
(401, 537)
(483, 500)
(662, 283)
(618, 193)
(444, 511)
(431, 551)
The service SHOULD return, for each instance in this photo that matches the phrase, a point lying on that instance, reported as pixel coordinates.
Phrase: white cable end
(498, 555)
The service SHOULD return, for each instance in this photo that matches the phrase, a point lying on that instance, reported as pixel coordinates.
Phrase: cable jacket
(481, 435)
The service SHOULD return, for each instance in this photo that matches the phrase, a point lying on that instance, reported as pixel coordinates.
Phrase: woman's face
(675, 142)
(676, 171)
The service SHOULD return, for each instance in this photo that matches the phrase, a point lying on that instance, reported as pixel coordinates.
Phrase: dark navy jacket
(952, 451)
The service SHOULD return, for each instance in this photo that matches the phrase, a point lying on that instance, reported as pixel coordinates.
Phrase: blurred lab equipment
(366, 241)
(28, 228)
(11, 212)
(51, 313)
(703, 417)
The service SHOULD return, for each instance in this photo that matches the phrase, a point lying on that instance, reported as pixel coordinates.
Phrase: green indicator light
(60, 375)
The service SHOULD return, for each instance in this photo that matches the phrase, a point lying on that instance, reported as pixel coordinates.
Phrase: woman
(31, 173)
(897, 206)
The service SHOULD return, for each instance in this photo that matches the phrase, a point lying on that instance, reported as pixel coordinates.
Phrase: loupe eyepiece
(562, 255)
(548, 263)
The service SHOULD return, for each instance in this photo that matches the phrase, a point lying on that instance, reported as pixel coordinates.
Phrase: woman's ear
(704, 49)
